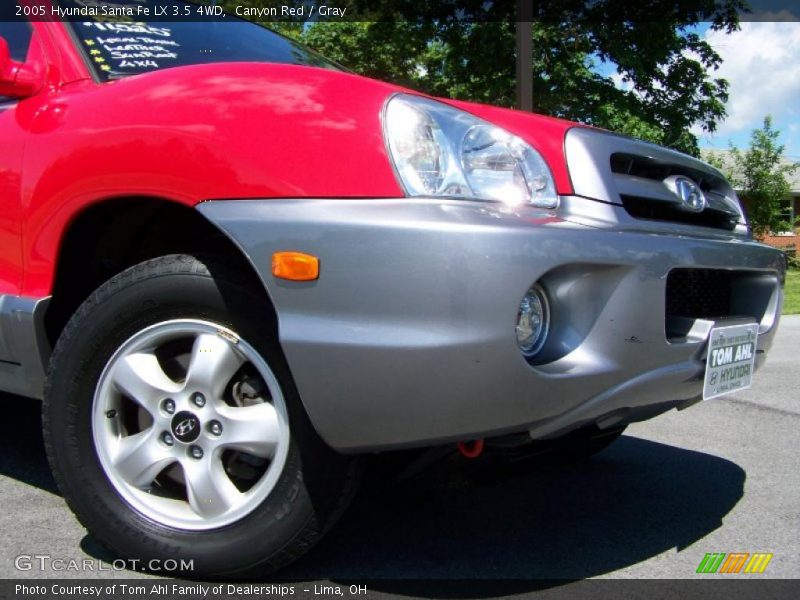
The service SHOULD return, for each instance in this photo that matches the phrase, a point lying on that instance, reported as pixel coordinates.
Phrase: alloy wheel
(190, 425)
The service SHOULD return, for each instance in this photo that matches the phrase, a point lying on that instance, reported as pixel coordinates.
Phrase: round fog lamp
(533, 321)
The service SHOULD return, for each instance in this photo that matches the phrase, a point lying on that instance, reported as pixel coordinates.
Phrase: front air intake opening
(713, 295)
(699, 293)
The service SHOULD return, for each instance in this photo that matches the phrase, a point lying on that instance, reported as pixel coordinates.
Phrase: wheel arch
(113, 234)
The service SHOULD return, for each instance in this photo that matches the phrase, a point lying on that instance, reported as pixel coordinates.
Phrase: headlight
(444, 152)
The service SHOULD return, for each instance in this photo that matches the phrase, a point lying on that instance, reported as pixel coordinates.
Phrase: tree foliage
(761, 174)
(664, 68)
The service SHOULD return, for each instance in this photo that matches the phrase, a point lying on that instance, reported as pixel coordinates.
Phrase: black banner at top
(301, 11)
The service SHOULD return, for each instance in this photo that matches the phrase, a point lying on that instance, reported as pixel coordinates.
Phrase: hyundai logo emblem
(185, 426)
(688, 192)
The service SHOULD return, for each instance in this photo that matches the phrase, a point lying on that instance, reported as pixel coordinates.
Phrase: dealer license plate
(731, 358)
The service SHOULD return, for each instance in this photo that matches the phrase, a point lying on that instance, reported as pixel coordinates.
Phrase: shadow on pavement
(22, 455)
(524, 522)
(548, 522)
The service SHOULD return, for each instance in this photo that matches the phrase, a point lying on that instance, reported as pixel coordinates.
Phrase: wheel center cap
(185, 426)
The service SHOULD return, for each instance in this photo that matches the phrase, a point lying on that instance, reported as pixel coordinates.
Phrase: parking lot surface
(720, 477)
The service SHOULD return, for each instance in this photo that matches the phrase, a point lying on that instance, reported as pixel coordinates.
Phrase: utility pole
(524, 79)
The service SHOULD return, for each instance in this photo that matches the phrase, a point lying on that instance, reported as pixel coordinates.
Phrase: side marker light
(295, 266)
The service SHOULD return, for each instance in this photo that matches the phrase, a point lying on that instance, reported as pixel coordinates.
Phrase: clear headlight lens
(440, 151)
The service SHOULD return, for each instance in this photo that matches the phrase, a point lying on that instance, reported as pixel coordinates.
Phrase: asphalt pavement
(721, 476)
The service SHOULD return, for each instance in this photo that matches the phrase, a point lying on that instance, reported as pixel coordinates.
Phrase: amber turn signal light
(295, 266)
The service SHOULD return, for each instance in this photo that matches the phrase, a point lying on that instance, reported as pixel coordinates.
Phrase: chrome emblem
(184, 427)
(688, 192)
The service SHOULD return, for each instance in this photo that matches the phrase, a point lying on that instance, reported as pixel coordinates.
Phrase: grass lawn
(791, 302)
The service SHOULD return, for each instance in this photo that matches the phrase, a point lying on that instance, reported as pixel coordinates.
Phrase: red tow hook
(471, 449)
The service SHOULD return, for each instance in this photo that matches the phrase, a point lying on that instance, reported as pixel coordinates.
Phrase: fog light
(533, 321)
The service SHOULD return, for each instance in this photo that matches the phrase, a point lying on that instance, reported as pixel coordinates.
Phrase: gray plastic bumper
(407, 338)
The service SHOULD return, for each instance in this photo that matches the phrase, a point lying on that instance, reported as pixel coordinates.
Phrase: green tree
(665, 67)
(761, 174)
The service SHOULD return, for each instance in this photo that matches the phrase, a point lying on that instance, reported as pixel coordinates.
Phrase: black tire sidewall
(302, 498)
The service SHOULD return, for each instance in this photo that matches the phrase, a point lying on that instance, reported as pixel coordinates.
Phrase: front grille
(646, 208)
(638, 178)
(699, 293)
(656, 203)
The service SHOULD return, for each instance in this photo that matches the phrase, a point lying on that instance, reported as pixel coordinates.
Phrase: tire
(585, 443)
(262, 488)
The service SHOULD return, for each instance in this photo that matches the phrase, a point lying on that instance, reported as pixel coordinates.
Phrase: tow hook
(471, 449)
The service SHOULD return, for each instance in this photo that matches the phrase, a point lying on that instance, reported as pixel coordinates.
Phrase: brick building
(791, 207)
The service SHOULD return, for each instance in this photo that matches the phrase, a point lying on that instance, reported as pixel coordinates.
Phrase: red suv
(252, 267)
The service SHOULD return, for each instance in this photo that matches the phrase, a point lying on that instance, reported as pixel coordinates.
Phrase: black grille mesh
(645, 208)
(699, 293)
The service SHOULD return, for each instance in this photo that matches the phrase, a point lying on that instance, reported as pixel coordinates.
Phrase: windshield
(119, 48)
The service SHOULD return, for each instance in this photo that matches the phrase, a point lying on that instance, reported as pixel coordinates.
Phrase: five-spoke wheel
(190, 424)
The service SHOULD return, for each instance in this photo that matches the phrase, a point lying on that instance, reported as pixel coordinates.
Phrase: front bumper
(407, 338)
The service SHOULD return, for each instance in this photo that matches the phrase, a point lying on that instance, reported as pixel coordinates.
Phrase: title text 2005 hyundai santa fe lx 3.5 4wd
(253, 267)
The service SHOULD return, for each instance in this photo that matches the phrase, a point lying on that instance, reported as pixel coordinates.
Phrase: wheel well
(109, 237)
